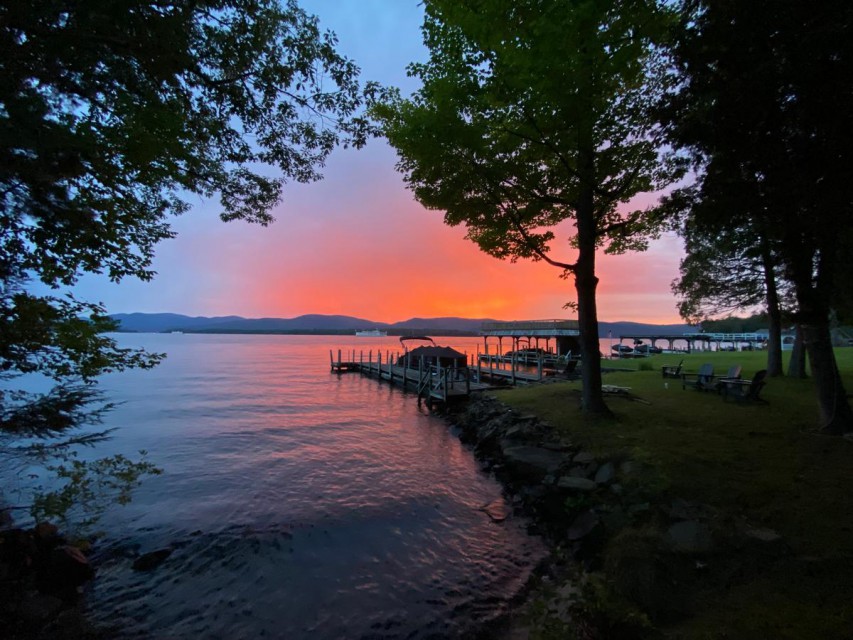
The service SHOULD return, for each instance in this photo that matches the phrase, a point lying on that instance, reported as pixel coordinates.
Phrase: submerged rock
(152, 560)
(497, 510)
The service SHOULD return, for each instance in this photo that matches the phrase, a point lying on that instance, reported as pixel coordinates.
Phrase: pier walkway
(436, 383)
(432, 383)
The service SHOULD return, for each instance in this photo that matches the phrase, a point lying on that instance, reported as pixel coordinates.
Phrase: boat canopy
(423, 338)
(444, 356)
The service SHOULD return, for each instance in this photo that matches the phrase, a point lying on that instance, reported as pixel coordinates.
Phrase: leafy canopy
(113, 113)
(535, 115)
(114, 116)
(495, 138)
(765, 108)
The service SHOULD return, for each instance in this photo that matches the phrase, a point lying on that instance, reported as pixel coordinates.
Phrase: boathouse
(553, 336)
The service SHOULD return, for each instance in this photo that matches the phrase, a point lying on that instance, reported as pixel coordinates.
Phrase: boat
(622, 349)
(371, 333)
(640, 351)
(647, 349)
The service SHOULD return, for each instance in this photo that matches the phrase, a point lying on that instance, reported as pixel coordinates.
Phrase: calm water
(300, 504)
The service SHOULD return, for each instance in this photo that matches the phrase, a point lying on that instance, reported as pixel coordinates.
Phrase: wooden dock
(434, 383)
(514, 370)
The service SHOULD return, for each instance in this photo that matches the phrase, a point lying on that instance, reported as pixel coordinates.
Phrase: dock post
(540, 367)
(512, 366)
(331, 360)
(379, 364)
(443, 379)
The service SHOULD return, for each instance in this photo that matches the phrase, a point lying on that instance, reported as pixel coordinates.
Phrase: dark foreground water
(300, 504)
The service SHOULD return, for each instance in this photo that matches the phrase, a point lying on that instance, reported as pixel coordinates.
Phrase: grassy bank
(764, 464)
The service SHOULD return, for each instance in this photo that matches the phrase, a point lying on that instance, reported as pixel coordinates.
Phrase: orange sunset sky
(358, 244)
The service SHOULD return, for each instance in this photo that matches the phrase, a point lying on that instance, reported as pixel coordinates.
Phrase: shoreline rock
(603, 522)
(41, 581)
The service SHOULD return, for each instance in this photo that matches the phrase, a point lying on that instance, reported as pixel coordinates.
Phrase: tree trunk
(797, 366)
(774, 314)
(812, 292)
(836, 418)
(592, 400)
(813, 286)
(586, 282)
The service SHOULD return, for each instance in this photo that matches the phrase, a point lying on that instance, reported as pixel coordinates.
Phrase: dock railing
(434, 382)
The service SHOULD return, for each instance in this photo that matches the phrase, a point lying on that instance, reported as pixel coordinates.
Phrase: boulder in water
(497, 510)
(152, 560)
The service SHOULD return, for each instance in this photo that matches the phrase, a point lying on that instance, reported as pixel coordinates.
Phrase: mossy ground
(766, 464)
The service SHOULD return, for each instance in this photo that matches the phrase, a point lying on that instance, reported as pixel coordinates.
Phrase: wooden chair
(745, 390)
(732, 374)
(703, 380)
(672, 370)
(571, 370)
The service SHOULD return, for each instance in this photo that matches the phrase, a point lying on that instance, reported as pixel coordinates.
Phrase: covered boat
(431, 354)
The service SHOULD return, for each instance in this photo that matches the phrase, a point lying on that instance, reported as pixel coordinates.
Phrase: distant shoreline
(337, 325)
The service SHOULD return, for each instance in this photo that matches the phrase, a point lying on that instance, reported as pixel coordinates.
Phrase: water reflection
(299, 504)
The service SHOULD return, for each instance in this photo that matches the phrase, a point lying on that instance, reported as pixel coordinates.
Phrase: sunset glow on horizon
(356, 243)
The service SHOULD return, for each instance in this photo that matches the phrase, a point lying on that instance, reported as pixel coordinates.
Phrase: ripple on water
(322, 506)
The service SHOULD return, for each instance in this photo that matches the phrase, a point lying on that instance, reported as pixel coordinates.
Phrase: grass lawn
(762, 463)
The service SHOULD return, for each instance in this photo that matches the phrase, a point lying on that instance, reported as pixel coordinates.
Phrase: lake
(299, 503)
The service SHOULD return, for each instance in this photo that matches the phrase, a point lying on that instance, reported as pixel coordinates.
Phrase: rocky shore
(626, 556)
(41, 577)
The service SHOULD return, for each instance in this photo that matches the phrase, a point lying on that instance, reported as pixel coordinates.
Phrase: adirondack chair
(746, 390)
(703, 380)
(571, 371)
(732, 374)
(672, 370)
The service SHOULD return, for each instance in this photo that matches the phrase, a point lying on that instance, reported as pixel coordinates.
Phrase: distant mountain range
(323, 324)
